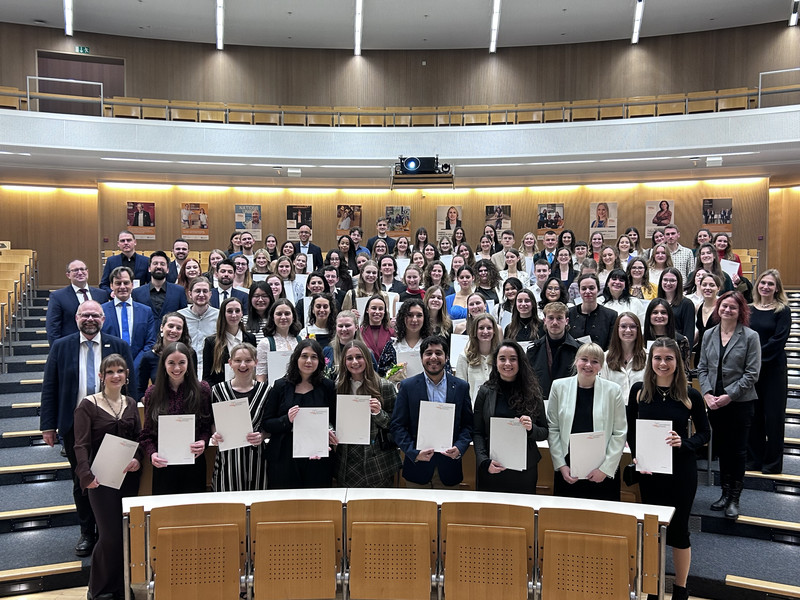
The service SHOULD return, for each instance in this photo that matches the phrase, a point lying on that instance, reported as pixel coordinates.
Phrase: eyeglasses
(78, 270)
(94, 316)
(628, 327)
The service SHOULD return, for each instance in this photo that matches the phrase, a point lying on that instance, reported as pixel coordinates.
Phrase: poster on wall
(498, 216)
(194, 221)
(551, 217)
(399, 218)
(603, 218)
(447, 219)
(658, 213)
(141, 218)
(297, 215)
(718, 214)
(347, 216)
(247, 217)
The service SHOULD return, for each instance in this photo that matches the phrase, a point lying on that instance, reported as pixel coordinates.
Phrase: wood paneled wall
(174, 70)
(784, 223)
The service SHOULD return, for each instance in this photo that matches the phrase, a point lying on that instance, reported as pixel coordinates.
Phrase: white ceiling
(394, 24)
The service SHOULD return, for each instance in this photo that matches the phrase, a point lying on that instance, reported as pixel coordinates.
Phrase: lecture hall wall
(63, 224)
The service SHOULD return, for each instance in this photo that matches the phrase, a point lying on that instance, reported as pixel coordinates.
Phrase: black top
(583, 421)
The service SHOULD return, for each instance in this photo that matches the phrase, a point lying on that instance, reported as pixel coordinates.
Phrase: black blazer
(314, 251)
(215, 377)
(235, 293)
(61, 309)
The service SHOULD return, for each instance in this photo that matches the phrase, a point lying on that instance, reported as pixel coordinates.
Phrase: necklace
(766, 306)
(116, 413)
(664, 391)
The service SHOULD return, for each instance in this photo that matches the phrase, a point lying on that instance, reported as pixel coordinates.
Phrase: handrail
(761, 76)
(52, 96)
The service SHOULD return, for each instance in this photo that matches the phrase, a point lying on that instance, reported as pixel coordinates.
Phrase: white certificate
(508, 443)
(458, 343)
(587, 451)
(288, 289)
(353, 419)
(435, 428)
(233, 422)
(505, 319)
(306, 307)
(394, 302)
(361, 305)
(277, 362)
(310, 433)
(412, 360)
(114, 455)
(175, 436)
(731, 267)
(402, 265)
(584, 339)
(653, 454)
(447, 261)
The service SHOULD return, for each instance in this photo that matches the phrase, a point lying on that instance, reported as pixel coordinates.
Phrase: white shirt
(98, 356)
(129, 309)
(476, 375)
(79, 294)
(624, 378)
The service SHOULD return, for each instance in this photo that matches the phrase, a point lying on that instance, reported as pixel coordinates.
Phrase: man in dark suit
(141, 218)
(225, 289)
(550, 242)
(426, 468)
(180, 249)
(553, 354)
(63, 303)
(382, 225)
(304, 246)
(161, 296)
(69, 375)
(137, 263)
(129, 320)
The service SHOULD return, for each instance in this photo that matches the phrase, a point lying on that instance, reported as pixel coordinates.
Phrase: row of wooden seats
(18, 281)
(395, 548)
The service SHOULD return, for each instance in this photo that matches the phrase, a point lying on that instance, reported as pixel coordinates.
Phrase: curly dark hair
(400, 328)
(526, 393)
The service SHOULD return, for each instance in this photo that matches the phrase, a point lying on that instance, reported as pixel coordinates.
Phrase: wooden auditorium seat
(449, 115)
(319, 116)
(636, 108)
(9, 97)
(398, 116)
(701, 102)
(371, 116)
(488, 550)
(392, 548)
(211, 112)
(530, 112)
(183, 110)
(266, 114)
(670, 104)
(585, 110)
(476, 114)
(297, 548)
(240, 113)
(423, 116)
(737, 103)
(502, 114)
(554, 112)
(293, 115)
(157, 110)
(614, 108)
(345, 116)
(126, 108)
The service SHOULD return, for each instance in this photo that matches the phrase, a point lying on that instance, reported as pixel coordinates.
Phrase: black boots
(725, 498)
(679, 593)
(732, 507)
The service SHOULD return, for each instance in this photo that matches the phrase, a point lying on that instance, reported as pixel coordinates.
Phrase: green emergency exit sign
(82, 49)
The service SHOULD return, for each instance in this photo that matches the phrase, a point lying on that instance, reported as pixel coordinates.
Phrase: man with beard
(247, 248)
(161, 296)
(180, 249)
(70, 374)
(201, 317)
(427, 468)
(131, 321)
(225, 289)
(64, 303)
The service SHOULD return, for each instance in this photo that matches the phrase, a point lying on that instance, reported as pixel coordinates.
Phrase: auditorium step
(44, 577)
(26, 363)
(32, 465)
(20, 404)
(767, 587)
(21, 382)
(37, 506)
(20, 431)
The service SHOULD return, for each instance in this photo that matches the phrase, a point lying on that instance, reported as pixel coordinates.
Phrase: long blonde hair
(472, 350)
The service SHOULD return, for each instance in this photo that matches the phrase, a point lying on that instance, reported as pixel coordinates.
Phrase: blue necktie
(124, 329)
(91, 385)
(550, 257)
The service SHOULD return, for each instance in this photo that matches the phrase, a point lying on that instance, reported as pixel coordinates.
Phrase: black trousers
(84, 508)
(765, 450)
(731, 428)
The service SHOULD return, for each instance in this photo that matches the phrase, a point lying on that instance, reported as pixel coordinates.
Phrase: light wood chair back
(9, 98)
(371, 116)
(502, 114)
(615, 110)
(211, 112)
(449, 115)
(738, 103)
(530, 112)
(127, 108)
(266, 114)
(197, 562)
(398, 116)
(322, 118)
(584, 566)
(158, 111)
(700, 102)
(642, 110)
(345, 116)
(183, 110)
(671, 104)
(585, 110)
(240, 113)
(554, 112)
(472, 117)
(296, 115)
(423, 116)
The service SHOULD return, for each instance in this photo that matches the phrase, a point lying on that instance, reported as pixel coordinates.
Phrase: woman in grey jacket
(730, 361)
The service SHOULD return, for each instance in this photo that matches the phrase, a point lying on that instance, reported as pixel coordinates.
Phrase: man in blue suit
(127, 257)
(427, 468)
(225, 289)
(180, 249)
(161, 296)
(69, 375)
(129, 320)
(64, 303)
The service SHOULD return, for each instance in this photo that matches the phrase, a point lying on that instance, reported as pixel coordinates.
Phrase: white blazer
(608, 415)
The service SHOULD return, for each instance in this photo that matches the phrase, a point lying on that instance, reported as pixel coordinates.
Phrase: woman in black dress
(511, 392)
(230, 333)
(303, 386)
(771, 319)
(666, 395)
(108, 412)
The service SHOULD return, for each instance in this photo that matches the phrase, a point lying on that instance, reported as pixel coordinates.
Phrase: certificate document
(436, 422)
(277, 362)
(458, 343)
(233, 422)
(508, 443)
(114, 455)
(652, 452)
(413, 362)
(587, 451)
(310, 433)
(175, 435)
(353, 419)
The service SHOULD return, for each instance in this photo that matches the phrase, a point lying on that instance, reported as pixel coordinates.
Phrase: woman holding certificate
(241, 468)
(303, 386)
(177, 392)
(586, 414)
(374, 464)
(512, 392)
(108, 412)
(665, 395)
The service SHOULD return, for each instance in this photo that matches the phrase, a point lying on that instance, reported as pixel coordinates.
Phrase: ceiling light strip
(495, 26)
(359, 22)
(637, 21)
(68, 17)
(220, 24)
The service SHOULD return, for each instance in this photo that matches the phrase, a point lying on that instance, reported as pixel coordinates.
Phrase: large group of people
(556, 342)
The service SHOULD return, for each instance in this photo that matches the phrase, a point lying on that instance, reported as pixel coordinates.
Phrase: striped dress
(241, 468)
